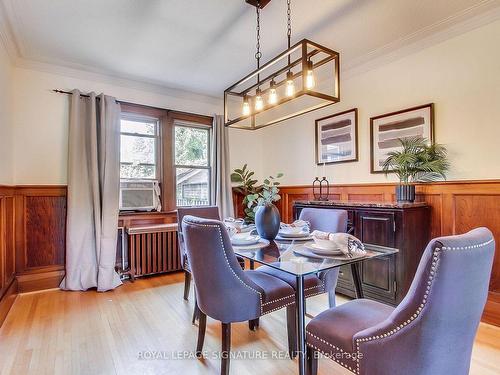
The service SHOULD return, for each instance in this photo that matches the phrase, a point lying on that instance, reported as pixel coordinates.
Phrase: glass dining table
(288, 256)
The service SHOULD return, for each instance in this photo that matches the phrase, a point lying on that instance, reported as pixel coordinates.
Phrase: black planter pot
(405, 193)
(267, 221)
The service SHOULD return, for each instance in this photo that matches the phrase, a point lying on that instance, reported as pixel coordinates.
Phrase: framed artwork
(337, 138)
(385, 131)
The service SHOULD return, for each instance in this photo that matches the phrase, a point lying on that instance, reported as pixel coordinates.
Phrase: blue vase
(267, 221)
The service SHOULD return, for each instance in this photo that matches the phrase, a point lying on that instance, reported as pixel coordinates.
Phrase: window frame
(208, 166)
(165, 151)
(157, 141)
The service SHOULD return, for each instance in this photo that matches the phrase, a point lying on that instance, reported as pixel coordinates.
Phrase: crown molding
(7, 38)
(472, 18)
(116, 80)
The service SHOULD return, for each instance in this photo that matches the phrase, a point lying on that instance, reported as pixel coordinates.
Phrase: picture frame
(336, 138)
(387, 128)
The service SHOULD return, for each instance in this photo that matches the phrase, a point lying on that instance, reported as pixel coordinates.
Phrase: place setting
(296, 231)
(244, 236)
(340, 246)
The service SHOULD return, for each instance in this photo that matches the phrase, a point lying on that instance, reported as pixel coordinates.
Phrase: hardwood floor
(134, 329)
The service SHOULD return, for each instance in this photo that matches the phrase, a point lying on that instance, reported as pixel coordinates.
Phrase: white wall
(41, 120)
(461, 76)
(6, 170)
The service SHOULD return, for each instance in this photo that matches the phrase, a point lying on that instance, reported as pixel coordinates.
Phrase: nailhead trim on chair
(434, 267)
(227, 260)
(278, 299)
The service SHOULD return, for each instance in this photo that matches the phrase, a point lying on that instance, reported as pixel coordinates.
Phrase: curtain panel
(222, 170)
(93, 193)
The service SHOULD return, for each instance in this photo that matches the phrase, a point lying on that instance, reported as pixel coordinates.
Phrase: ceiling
(204, 46)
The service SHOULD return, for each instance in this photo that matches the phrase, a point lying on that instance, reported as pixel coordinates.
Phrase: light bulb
(259, 103)
(310, 79)
(273, 96)
(290, 88)
(246, 107)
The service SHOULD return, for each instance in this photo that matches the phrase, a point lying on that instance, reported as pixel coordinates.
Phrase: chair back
(432, 330)
(207, 212)
(223, 291)
(325, 220)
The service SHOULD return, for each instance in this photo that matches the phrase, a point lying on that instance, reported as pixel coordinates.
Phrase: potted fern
(416, 161)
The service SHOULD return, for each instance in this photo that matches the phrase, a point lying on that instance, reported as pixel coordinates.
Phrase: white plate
(322, 251)
(243, 239)
(310, 254)
(294, 235)
(259, 245)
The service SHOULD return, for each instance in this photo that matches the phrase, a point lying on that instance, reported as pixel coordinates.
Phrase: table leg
(301, 323)
(358, 287)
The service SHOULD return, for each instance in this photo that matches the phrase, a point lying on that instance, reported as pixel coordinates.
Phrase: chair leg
(226, 348)
(331, 298)
(202, 326)
(187, 284)
(196, 311)
(253, 325)
(291, 326)
(312, 362)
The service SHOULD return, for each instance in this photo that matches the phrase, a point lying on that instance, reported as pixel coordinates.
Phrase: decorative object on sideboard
(303, 78)
(416, 161)
(337, 138)
(387, 129)
(267, 216)
(321, 189)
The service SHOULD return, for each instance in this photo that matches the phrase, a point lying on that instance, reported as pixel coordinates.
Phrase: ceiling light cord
(289, 25)
(258, 54)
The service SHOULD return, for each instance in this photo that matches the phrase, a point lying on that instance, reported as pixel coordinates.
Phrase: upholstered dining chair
(325, 220)
(224, 291)
(430, 332)
(208, 212)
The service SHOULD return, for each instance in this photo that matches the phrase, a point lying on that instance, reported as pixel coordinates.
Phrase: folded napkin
(347, 243)
(296, 223)
(322, 235)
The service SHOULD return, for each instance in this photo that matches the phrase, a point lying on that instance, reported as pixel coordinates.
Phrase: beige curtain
(93, 193)
(222, 170)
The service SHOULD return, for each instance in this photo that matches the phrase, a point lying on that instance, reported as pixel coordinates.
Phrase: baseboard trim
(8, 300)
(39, 281)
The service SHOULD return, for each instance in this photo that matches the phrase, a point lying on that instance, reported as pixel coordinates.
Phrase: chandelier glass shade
(301, 79)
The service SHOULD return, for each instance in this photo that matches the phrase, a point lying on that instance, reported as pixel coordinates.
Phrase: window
(139, 144)
(171, 147)
(192, 164)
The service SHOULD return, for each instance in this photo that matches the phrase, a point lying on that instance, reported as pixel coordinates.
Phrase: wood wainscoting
(456, 207)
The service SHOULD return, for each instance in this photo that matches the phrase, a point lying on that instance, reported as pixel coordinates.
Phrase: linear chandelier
(301, 79)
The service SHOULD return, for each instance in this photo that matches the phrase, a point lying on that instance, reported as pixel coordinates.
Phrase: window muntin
(192, 164)
(139, 153)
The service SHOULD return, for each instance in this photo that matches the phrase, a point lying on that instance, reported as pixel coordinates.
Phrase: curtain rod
(130, 103)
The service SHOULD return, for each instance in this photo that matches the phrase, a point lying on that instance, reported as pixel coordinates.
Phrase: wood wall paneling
(8, 284)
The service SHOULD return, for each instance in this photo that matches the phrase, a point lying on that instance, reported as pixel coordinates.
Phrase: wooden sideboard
(402, 226)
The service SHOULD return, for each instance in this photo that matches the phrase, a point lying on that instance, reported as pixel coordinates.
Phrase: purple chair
(224, 291)
(432, 330)
(326, 220)
(209, 212)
